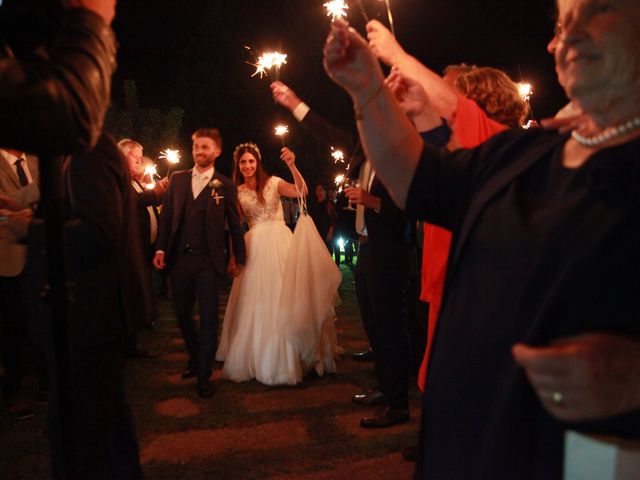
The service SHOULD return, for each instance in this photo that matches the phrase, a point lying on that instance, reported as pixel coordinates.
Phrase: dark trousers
(106, 447)
(193, 276)
(13, 332)
(381, 288)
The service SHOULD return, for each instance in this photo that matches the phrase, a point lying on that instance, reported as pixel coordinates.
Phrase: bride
(260, 339)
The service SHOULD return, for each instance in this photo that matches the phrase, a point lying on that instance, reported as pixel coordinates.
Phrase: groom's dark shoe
(371, 398)
(191, 371)
(386, 417)
(206, 388)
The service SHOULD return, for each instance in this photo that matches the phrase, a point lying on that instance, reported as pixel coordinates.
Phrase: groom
(191, 244)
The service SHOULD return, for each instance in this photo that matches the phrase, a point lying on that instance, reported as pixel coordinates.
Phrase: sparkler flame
(267, 61)
(525, 90)
(336, 9)
(337, 155)
(281, 130)
(339, 180)
(172, 156)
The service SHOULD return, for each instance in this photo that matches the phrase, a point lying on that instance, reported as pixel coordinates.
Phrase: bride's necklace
(607, 134)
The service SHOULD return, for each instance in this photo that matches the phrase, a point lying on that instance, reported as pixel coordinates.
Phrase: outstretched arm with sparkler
(390, 141)
(287, 189)
(385, 46)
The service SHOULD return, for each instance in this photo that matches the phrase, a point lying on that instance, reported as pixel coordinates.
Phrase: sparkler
(172, 157)
(339, 181)
(150, 172)
(337, 155)
(525, 91)
(390, 16)
(267, 61)
(336, 9)
(281, 131)
(363, 11)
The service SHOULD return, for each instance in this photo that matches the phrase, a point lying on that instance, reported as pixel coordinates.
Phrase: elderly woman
(539, 328)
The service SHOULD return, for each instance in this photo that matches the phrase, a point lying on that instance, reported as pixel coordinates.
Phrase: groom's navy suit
(192, 235)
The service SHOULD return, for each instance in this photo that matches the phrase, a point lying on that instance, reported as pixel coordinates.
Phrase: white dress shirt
(200, 180)
(11, 160)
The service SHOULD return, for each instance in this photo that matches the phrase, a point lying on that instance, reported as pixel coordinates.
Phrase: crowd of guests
(528, 260)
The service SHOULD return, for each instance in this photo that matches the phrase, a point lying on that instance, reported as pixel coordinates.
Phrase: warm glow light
(267, 61)
(281, 130)
(337, 155)
(525, 90)
(172, 156)
(339, 180)
(336, 9)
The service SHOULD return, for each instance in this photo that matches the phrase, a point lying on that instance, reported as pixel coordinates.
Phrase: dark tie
(22, 176)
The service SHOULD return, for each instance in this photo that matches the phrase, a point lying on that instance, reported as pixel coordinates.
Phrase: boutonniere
(215, 184)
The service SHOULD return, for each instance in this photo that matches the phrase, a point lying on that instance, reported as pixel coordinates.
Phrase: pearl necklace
(607, 134)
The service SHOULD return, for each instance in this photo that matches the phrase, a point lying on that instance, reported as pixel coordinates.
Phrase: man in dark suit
(109, 289)
(386, 263)
(146, 202)
(19, 182)
(191, 243)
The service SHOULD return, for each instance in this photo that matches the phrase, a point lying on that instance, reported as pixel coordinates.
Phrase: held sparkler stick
(281, 131)
(172, 157)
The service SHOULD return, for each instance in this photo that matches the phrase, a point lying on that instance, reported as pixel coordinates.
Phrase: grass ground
(247, 430)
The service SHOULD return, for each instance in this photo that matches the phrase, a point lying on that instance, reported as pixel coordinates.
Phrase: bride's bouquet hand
(288, 157)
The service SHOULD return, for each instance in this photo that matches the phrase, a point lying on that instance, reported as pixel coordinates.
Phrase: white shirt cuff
(301, 111)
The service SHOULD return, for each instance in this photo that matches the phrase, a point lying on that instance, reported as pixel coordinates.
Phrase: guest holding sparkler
(146, 202)
(259, 340)
(538, 331)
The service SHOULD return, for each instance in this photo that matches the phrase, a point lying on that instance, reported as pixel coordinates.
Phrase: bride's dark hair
(261, 176)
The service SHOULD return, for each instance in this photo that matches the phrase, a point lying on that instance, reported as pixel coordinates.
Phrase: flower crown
(250, 145)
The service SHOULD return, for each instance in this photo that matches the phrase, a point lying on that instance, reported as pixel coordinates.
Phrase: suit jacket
(387, 227)
(13, 255)
(111, 289)
(217, 214)
(144, 199)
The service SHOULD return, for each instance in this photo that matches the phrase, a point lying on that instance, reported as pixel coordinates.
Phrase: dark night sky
(191, 54)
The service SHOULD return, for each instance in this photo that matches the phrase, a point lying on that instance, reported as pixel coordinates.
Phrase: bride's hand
(288, 157)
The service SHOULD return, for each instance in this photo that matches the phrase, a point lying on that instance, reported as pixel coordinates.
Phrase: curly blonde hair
(495, 93)
(261, 176)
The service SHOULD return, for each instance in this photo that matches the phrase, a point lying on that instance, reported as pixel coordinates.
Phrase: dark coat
(224, 211)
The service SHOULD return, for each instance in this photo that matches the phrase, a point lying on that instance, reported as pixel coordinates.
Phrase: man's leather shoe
(372, 398)
(190, 372)
(385, 417)
(206, 388)
(364, 356)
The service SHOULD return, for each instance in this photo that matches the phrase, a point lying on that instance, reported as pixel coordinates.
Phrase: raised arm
(389, 139)
(384, 45)
(287, 189)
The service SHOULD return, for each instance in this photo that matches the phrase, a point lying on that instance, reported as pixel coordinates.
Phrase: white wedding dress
(260, 338)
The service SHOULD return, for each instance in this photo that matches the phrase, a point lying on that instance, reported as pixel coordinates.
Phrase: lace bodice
(254, 211)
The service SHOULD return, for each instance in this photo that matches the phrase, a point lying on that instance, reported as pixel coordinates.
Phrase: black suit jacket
(387, 227)
(144, 199)
(217, 214)
(110, 288)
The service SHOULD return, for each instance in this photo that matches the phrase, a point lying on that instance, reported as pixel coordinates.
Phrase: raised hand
(288, 157)
(349, 62)
(383, 44)
(284, 96)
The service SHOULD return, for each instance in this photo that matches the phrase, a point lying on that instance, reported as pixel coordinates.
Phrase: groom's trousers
(193, 278)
